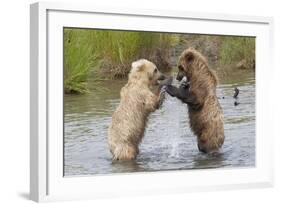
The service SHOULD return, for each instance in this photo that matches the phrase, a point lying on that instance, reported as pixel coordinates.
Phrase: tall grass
(236, 49)
(108, 54)
(116, 50)
(78, 59)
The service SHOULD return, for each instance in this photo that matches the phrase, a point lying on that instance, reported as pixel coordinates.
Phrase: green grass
(97, 55)
(78, 59)
(236, 49)
(117, 50)
(108, 54)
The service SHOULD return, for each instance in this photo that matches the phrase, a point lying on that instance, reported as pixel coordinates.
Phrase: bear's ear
(138, 65)
(189, 58)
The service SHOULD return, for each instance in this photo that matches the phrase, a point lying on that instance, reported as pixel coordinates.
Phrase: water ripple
(168, 143)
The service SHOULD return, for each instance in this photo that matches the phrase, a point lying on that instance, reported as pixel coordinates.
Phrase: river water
(168, 143)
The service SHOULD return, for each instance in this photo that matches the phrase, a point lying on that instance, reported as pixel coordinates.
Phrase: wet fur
(205, 112)
(139, 97)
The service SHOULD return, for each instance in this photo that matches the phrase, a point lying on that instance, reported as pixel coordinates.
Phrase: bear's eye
(155, 70)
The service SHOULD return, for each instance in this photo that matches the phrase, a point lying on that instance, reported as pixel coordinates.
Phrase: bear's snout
(180, 76)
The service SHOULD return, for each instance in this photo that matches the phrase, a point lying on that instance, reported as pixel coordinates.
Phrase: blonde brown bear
(139, 97)
(205, 112)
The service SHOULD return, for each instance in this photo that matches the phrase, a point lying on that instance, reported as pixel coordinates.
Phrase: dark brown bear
(205, 112)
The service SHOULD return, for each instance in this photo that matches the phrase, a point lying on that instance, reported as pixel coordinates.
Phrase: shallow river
(168, 143)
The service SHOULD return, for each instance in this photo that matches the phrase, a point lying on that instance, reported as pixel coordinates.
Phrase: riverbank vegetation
(105, 54)
(239, 52)
(109, 54)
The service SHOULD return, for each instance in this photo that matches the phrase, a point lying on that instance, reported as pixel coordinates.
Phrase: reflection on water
(168, 143)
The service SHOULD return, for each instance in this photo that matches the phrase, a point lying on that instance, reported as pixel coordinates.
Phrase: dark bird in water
(236, 103)
(236, 90)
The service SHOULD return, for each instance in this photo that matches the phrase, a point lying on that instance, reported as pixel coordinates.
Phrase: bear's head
(145, 72)
(190, 62)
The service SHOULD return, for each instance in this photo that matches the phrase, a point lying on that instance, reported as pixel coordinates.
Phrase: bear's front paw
(185, 85)
(171, 90)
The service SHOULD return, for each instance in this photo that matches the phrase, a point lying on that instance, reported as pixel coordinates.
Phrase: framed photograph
(128, 102)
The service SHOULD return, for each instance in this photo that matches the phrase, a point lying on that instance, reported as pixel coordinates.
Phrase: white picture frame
(46, 92)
